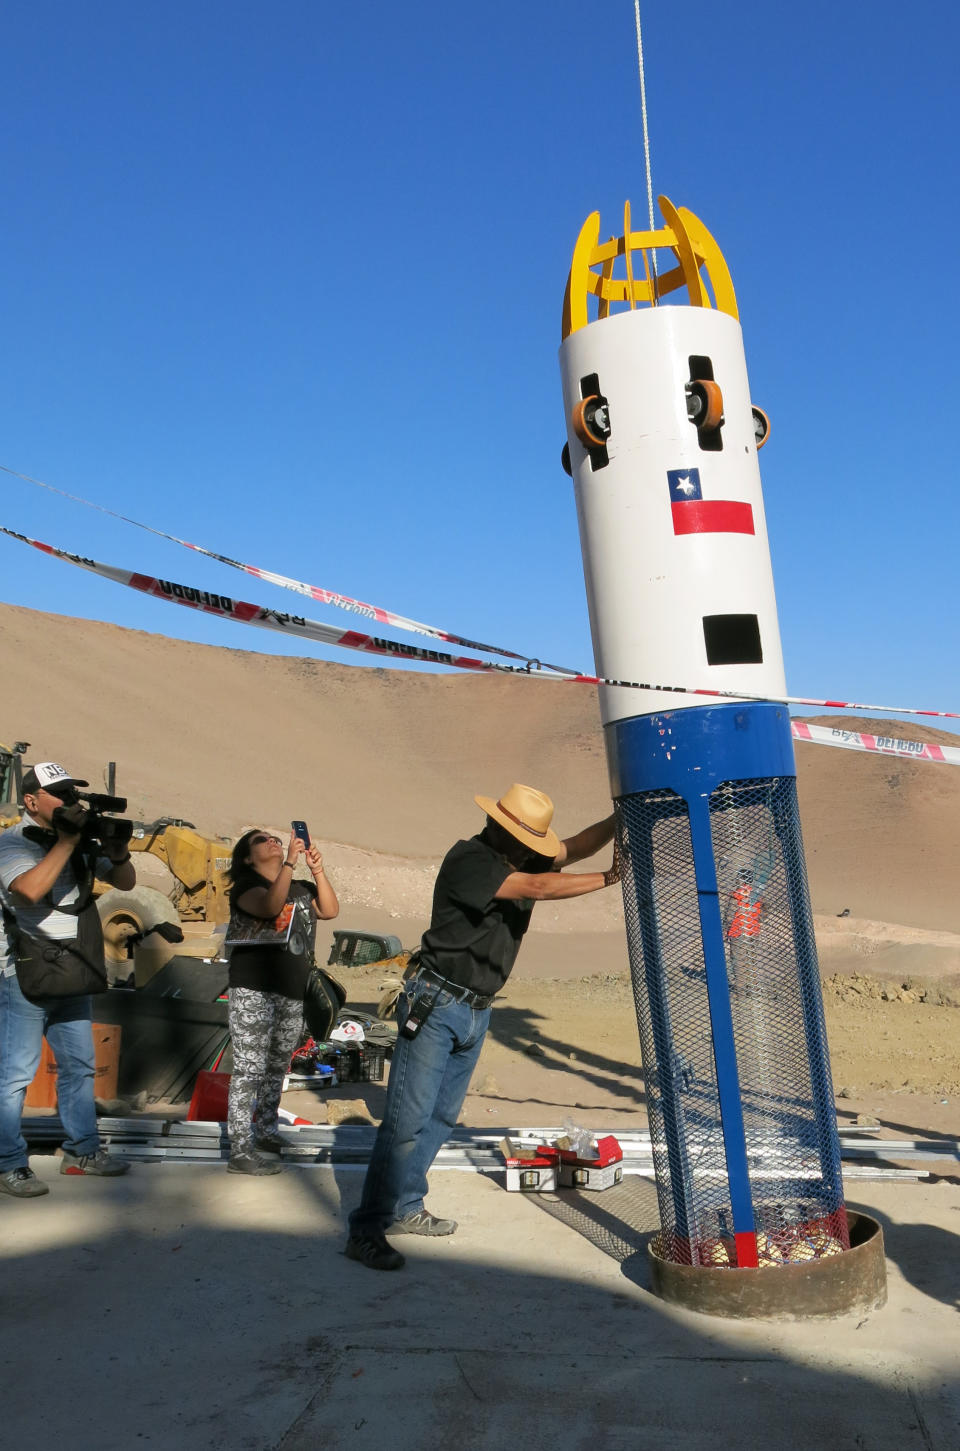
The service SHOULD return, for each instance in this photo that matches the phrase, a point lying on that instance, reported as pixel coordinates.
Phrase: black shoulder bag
(70, 967)
(323, 998)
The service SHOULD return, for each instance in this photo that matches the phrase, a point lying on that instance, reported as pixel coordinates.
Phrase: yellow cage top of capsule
(699, 261)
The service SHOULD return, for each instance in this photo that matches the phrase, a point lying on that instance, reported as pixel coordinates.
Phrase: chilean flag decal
(693, 514)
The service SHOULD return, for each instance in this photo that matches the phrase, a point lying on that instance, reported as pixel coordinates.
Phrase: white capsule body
(678, 595)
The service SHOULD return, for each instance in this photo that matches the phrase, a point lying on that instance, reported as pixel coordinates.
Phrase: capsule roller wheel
(582, 419)
(761, 426)
(707, 393)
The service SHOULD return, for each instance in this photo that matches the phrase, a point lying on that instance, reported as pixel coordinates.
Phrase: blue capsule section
(726, 986)
(691, 751)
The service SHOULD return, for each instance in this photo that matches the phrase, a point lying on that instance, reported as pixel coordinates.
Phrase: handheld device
(420, 1010)
(299, 828)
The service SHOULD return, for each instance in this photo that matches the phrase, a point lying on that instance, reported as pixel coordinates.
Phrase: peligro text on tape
(251, 614)
(312, 591)
(211, 603)
(881, 745)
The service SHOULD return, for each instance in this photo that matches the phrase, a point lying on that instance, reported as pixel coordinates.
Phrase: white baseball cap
(47, 774)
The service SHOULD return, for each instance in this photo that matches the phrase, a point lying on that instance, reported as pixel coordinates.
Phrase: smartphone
(299, 828)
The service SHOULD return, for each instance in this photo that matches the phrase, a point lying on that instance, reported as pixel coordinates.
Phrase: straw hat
(526, 814)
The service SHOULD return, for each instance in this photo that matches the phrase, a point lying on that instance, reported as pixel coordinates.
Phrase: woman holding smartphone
(271, 936)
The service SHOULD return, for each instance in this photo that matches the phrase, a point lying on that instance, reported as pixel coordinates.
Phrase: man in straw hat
(484, 894)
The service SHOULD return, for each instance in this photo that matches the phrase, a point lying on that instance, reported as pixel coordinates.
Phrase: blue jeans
(65, 1022)
(429, 1077)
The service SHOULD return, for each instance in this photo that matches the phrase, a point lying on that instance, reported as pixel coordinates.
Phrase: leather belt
(456, 990)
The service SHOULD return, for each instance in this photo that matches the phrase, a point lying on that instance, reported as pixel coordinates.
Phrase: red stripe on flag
(712, 516)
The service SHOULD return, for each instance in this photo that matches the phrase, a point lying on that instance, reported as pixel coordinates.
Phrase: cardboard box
(600, 1173)
(531, 1171)
(42, 1092)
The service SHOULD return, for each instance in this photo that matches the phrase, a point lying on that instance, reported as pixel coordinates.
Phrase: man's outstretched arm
(586, 843)
(555, 886)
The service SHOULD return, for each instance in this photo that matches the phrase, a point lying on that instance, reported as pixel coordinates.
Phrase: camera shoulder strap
(10, 928)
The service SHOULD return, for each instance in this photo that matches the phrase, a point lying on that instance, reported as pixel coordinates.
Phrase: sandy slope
(386, 763)
(384, 766)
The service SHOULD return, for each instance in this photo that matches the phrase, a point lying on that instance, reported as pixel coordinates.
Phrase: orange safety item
(746, 918)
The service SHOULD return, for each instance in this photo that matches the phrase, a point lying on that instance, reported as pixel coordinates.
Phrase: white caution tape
(312, 591)
(245, 613)
(881, 745)
(209, 602)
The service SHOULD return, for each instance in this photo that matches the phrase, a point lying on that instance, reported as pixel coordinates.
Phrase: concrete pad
(187, 1308)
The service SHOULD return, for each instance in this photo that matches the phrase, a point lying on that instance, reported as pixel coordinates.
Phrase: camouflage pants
(264, 1029)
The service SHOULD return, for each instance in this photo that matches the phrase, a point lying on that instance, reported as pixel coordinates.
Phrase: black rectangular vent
(732, 640)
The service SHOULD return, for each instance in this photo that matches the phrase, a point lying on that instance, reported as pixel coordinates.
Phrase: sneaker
(252, 1164)
(422, 1222)
(373, 1251)
(270, 1144)
(99, 1163)
(22, 1183)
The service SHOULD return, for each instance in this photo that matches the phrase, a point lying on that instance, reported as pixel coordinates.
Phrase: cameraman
(38, 876)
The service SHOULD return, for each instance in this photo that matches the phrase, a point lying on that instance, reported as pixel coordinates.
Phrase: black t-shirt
(274, 969)
(474, 938)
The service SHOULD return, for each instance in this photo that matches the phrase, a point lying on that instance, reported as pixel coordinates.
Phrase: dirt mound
(859, 987)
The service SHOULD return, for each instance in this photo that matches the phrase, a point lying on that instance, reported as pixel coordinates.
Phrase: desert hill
(384, 764)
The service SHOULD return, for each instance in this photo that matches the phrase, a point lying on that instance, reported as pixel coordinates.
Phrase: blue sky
(286, 280)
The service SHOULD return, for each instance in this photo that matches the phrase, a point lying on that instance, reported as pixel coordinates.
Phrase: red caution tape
(245, 613)
(881, 745)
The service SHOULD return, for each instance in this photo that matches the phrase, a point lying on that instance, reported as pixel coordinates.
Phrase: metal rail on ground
(347, 1146)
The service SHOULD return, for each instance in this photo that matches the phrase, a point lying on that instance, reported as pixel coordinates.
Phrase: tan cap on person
(527, 815)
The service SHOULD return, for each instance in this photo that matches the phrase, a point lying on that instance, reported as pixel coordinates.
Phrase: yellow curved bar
(709, 256)
(628, 256)
(575, 302)
(685, 235)
(683, 250)
(606, 271)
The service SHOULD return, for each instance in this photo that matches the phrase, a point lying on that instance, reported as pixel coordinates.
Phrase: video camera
(83, 813)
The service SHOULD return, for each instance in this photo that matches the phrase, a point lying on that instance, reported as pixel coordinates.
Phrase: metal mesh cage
(776, 1012)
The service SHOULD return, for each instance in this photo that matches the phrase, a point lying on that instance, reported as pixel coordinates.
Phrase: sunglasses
(259, 840)
(67, 794)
